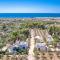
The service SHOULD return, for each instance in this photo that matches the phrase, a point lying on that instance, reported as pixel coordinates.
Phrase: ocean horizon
(29, 15)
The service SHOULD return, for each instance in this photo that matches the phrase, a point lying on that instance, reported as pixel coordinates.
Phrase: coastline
(29, 15)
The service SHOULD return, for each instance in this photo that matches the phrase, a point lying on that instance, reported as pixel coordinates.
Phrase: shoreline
(28, 17)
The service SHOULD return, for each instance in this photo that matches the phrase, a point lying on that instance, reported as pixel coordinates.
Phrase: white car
(4, 48)
(57, 49)
(52, 49)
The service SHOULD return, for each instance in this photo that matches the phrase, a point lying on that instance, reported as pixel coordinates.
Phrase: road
(32, 45)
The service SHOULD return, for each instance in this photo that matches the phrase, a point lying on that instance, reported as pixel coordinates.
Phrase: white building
(41, 46)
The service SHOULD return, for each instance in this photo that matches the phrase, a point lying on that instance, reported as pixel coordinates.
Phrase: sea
(29, 15)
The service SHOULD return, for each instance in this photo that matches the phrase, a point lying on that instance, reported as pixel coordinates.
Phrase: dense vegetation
(55, 32)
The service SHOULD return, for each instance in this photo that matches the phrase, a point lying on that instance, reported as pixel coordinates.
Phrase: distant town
(29, 38)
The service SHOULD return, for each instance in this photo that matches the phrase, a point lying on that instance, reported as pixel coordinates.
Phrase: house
(38, 39)
(49, 39)
(17, 46)
(23, 45)
(41, 46)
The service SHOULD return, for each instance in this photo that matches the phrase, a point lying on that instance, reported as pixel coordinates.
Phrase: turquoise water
(28, 15)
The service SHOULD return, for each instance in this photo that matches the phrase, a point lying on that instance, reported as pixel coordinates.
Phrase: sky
(29, 6)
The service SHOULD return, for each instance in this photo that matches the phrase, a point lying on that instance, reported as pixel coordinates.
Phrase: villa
(17, 46)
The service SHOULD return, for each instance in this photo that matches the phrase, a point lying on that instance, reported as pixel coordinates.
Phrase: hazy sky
(29, 6)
